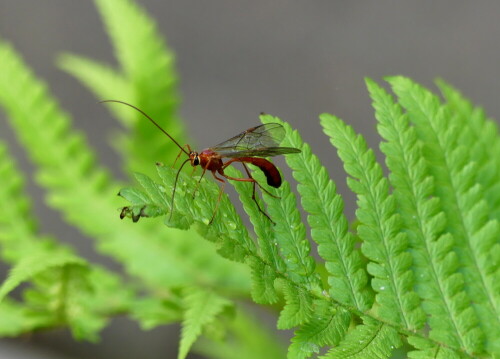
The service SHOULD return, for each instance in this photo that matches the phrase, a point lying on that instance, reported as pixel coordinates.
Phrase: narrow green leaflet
(481, 137)
(290, 232)
(263, 278)
(368, 340)
(247, 339)
(152, 79)
(380, 228)
(15, 320)
(104, 81)
(327, 328)
(270, 262)
(202, 307)
(476, 237)
(437, 279)
(427, 349)
(32, 265)
(298, 308)
(153, 312)
(329, 226)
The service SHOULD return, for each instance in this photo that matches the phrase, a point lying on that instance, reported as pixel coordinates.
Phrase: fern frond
(298, 308)
(189, 210)
(369, 340)
(476, 237)
(263, 278)
(290, 235)
(83, 192)
(426, 350)
(380, 228)
(481, 137)
(17, 225)
(329, 226)
(152, 78)
(104, 81)
(62, 279)
(15, 320)
(270, 262)
(327, 328)
(247, 337)
(434, 261)
(202, 307)
(32, 265)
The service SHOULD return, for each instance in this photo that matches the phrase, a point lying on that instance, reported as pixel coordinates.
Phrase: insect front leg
(198, 183)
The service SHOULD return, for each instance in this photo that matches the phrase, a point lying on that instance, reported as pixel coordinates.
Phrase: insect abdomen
(272, 174)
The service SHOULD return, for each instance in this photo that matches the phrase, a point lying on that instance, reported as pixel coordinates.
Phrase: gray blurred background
(292, 59)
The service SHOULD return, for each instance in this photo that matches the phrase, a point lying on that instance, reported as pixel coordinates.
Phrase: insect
(247, 148)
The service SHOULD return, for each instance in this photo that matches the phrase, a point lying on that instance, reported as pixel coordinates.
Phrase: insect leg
(249, 175)
(249, 179)
(198, 183)
(220, 195)
(255, 183)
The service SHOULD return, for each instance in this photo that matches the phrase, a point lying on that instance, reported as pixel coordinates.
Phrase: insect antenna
(150, 119)
(175, 187)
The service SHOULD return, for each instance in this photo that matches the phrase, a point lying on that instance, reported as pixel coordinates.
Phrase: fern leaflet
(463, 201)
(201, 309)
(329, 227)
(435, 263)
(480, 135)
(368, 340)
(380, 228)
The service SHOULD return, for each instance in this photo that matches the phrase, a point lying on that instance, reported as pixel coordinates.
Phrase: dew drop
(231, 225)
(382, 288)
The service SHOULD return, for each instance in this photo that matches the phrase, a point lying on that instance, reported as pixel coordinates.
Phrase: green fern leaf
(152, 78)
(298, 309)
(290, 232)
(435, 264)
(248, 338)
(88, 200)
(152, 312)
(16, 320)
(104, 81)
(17, 225)
(32, 265)
(263, 228)
(380, 228)
(327, 328)
(329, 226)
(368, 340)
(202, 307)
(19, 241)
(263, 277)
(480, 136)
(431, 350)
(476, 241)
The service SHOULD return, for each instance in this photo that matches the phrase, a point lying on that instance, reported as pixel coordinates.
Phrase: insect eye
(196, 161)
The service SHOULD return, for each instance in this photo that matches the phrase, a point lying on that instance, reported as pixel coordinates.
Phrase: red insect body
(247, 147)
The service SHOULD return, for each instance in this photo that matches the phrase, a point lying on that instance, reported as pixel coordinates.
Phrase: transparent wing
(259, 141)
